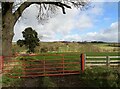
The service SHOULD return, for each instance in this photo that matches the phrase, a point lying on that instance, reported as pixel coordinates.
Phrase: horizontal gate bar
(41, 64)
(43, 75)
(35, 73)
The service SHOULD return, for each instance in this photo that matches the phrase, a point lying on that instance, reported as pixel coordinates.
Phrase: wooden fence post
(108, 61)
(44, 65)
(63, 62)
(82, 62)
(85, 59)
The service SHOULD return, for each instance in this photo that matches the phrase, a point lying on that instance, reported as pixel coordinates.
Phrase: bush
(101, 77)
(44, 50)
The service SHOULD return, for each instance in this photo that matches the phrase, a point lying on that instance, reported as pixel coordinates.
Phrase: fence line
(46, 65)
(83, 62)
(102, 60)
(102, 56)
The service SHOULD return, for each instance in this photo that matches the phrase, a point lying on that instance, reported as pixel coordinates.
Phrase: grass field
(58, 47)
(72, 50)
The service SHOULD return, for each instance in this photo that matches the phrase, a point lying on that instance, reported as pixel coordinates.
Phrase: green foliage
(30, 41)
(20, 43)
(7, 81)
(26, 58)
(101, 77)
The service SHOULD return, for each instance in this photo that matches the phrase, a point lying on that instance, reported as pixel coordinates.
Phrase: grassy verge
(101, 77)
(10, 82)
(97, 77)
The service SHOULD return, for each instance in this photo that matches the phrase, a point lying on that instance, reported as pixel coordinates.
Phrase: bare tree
(11, 13)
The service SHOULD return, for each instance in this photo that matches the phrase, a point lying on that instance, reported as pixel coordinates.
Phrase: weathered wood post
(44, 65)
(63, 62)
(82, 58)
(108, 61)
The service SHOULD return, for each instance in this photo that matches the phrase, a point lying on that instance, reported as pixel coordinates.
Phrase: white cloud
(61, 26)
(83, 22)
(74, 37)
(109, 35)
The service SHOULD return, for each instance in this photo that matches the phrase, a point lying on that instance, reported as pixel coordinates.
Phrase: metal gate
(41, 65)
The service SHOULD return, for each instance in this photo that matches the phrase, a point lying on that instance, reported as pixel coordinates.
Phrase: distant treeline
(80, 42)
(98, 42)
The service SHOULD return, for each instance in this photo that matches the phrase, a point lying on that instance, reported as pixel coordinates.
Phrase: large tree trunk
(8, 22)
(7, 37)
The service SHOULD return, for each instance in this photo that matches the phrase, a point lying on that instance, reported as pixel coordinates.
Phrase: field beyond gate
(41, 65)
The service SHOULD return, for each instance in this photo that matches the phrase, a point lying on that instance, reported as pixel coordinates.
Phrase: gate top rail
(22, 55)
(102, 56)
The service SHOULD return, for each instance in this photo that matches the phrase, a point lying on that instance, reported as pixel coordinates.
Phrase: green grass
(102, 54)
(70, 56)
(7, 81)
(101, 77)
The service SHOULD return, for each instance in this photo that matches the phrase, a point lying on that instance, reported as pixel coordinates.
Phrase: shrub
(101, 77)
(44, 50)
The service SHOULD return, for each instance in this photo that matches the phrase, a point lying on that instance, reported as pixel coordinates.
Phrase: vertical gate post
(1, 63)
(82, 62)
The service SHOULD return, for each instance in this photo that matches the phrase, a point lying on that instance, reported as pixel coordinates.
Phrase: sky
(98, 23)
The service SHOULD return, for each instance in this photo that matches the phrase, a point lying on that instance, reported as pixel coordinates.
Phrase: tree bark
(7, 36)
(8, 22)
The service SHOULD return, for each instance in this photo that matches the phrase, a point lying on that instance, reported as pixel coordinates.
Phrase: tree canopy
(30, 41)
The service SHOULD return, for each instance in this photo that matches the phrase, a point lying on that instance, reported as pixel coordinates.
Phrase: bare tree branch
(23, 6)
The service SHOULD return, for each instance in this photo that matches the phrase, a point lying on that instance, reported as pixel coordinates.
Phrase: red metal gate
(1, 64)
(41, 65)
